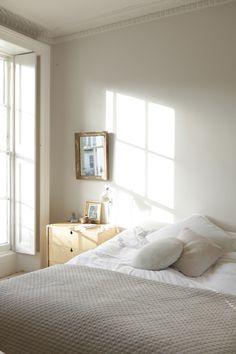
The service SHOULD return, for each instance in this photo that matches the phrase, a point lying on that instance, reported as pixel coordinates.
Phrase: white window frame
(43, 51)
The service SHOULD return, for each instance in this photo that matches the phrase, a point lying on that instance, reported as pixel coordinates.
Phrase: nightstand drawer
(59, 254)
(63, 237)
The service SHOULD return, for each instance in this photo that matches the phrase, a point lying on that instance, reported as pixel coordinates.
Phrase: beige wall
(184, 62)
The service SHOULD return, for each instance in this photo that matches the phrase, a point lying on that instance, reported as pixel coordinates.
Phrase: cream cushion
(198, 254)
(158, 255)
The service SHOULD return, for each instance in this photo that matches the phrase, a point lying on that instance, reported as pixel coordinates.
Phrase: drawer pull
(71, 232)
(71, 249)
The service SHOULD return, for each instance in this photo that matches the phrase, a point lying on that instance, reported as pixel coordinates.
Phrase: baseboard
(27, 263)
(7, 263)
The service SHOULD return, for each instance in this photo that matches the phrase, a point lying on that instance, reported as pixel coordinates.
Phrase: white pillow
(137, 236)
(159, 254)
(202, 226)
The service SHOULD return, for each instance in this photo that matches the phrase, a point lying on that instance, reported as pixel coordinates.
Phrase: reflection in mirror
(91, 154)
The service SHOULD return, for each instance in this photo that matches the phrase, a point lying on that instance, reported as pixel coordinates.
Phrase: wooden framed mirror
(91, 155)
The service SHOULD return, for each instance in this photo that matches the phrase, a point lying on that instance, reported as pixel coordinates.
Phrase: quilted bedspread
(75, 309)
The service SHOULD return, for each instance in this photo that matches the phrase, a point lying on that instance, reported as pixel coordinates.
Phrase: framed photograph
(93, 211)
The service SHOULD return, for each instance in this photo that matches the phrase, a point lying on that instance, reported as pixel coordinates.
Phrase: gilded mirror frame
(80, 156)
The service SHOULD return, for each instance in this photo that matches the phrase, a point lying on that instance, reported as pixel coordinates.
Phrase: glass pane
(24, 134)
(4, 220)
(25, 84)
(2, 81)
(4, 158)
(25, 197)
(25, 88)
(3, 128)
(24, 188)
(4, 163)
(25, 109)
(24, 222)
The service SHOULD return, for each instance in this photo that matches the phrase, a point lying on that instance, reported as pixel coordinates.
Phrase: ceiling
(56, 19)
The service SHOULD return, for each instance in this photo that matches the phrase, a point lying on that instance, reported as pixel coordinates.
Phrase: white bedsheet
(116, 255)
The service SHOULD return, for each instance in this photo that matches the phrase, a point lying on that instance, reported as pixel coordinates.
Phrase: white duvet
(117, 254)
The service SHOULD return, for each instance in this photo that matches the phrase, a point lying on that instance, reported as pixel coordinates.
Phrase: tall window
(17, 152)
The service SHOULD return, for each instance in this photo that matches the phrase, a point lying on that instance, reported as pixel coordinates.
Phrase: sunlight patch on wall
(144, 165)
(130, 120)
(130, 168)
(160, 180)
(161, 130)
(122, 209)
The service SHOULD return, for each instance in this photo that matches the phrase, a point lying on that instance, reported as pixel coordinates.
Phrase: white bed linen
(117, 254)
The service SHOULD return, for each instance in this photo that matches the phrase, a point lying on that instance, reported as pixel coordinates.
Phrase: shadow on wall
(144, 158)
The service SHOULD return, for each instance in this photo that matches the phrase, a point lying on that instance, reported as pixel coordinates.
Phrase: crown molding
(195, 6)
(35, 31)
(24, 26)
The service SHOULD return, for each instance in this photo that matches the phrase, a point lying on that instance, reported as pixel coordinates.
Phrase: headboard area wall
(166, 92)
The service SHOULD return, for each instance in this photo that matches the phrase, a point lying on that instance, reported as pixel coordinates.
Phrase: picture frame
(91, 155)
(93, 211)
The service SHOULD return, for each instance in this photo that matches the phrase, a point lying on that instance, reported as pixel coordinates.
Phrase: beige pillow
(198, 254)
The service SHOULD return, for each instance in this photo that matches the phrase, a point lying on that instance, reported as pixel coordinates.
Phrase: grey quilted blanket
(74, 309)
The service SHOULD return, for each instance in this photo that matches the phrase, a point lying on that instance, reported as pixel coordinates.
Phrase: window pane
(4, 218)
(4, 157)
(24, 227)
(3, 128)
(25, 88)
(24, 134)
(3, 175)
(24, 189)
(2, 81)
(24, 199)
(25, 109)
(25, 84)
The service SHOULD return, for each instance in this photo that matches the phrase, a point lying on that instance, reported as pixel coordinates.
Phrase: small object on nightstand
(73, 218)
(87, 220)
(84, 219)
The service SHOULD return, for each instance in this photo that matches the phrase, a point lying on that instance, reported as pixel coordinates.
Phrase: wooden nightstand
(67, 240)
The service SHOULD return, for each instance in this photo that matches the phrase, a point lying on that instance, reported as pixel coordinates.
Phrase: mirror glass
(91, 155)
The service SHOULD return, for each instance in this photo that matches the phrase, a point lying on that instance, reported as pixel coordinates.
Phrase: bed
(98, 303)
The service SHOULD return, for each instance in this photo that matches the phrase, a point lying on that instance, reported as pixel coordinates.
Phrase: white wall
(184, 62)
